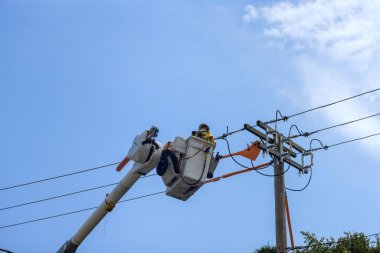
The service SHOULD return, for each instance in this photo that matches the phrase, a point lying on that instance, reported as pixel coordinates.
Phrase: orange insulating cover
(238, 172)
(289, 222)
(252, 152)
(122, 164)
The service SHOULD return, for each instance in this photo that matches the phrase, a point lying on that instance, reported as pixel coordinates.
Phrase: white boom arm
(146, 155)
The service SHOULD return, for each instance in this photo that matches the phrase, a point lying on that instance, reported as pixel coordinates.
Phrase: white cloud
(250, 14)
(337, 54)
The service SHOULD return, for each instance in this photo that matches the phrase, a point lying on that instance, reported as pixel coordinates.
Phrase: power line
(56, 177)
(64, 195)
(303, 188)
(7, 251)
(285, 118)
(54, 197)
(252, 166)
(307, 134)
(325, 147)
(223, 136)
(344, 142)
(77, 211)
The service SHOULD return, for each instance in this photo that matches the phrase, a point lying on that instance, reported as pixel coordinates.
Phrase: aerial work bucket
(184, 167)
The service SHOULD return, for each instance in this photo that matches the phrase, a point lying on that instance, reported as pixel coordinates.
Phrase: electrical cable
(60, 176)
(4, 250)
(54, 197)
(223, 136)
(229, 151)
(63, 195)
(77, 211)
(311, 170)
(261, 173)
(268, 175)
(203, 170)
(275, 123)
(307, 134)
(300, 190)
(343, 142)
(196, 153)
(285, 118)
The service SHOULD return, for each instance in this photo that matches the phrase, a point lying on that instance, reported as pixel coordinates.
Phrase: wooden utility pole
(279, 196)
(273, 143)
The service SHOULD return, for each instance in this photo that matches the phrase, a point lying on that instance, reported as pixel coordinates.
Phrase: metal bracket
(262, 136)
(307, 167)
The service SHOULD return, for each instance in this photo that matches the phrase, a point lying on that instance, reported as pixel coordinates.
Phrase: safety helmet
(203, 125)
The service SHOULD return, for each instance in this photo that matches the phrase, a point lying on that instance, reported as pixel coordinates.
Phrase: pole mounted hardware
(281, 149)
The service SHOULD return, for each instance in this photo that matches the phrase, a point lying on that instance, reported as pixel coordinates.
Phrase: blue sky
(79, 79)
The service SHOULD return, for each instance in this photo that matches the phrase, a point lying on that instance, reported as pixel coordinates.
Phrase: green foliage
(266, 249)
(349, 243)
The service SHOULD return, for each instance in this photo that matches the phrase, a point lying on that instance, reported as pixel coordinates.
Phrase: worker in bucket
(204, 133)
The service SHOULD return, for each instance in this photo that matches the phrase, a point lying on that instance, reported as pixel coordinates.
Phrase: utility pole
(279, 197)
(281, 149)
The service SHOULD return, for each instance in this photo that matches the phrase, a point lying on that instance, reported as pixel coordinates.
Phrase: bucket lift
(184, 168)
(188, 163)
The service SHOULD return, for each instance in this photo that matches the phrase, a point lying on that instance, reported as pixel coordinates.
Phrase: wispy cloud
(336, 50)
(250, 13)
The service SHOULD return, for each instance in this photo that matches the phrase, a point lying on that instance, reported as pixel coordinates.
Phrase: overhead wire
(270, 175)
(311, 169)
(139, 197)
(80, 191)
(54, 197)
(303, 188)
(285, 118)
(90, 169)
(282, 173)
(247, 167)
(220, 137)
(223, 136)
(75, 192)
(4, 250)
(326, 147)
(76, 211)
(229, 151)
(307, 134)
(63, 195)
(242, 165)
(57, 177)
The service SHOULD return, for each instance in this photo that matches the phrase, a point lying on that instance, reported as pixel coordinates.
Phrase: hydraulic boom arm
(146, 153)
